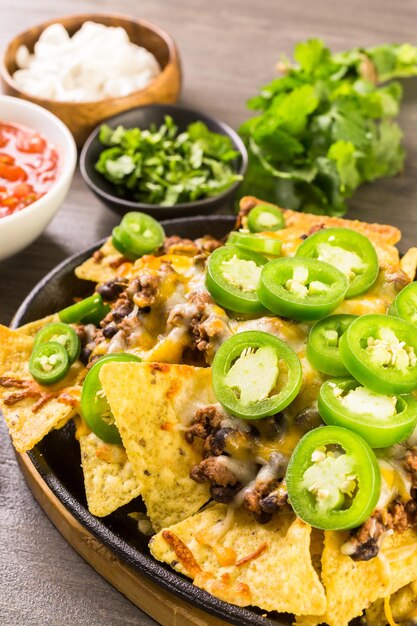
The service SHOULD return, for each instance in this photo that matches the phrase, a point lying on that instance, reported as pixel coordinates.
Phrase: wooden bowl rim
(173, 57)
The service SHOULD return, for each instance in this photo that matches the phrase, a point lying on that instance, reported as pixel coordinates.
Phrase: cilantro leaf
(326, 126)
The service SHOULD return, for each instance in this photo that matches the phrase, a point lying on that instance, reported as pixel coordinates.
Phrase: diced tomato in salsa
(28, 167)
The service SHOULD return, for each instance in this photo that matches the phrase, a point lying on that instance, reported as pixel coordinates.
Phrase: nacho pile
(213, 482)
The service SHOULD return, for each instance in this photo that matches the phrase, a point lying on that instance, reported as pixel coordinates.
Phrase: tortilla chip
(15, 351)
(32, 328)
(104, 265)
(408, 263)
(148, 401)
(402, 603)
(243, 562)
(351, 586)
(383, 236)
(108, 475)
(32, 410)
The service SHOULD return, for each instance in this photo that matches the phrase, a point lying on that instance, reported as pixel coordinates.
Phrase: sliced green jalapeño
(264, 218)
(95, 408)
(380, 352)
(232, 278)
(381, 420)
(63, 334)
(333, 479)
(255, 374)
(405, 304)
(301, 289)
(87, 311)
(349, 251)
(258, 243)
(323, 344)
(137, 234)
(49, 362)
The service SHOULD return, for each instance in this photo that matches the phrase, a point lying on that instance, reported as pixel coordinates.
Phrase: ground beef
(398, 278)
(365, 542)
(89, 336)
(206, 420)
(128, 325)
(177, 245)
(410, 464)
(143, 289)
(195, 307)
(277, 499)
(315, 229)
(200, 298)
(201, 302)
(122, 307)
(200, 338)
(98, 256)
(187, 247)
(214, 445)
(213, 470)
(118, 261)
(246, 205)
(208, 244)
(269, 492)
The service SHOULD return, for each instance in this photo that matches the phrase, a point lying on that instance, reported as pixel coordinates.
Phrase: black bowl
(143, 117)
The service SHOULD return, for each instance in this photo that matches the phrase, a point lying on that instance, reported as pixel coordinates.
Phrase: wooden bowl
(82, 117)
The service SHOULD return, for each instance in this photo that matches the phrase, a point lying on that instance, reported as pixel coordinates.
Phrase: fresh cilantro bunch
(326, 126)
(160, 166)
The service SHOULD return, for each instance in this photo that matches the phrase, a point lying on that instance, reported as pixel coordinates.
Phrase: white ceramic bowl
(19, 229)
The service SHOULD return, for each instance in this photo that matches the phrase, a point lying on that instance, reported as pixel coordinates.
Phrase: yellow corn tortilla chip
(243, 562)
(351, 586)
(408, 263)
(403, 605)
(32, 328)
(383, 236)
(149, 401)
(32, 410)
(104, 265)
(108, 475)
(15, 351)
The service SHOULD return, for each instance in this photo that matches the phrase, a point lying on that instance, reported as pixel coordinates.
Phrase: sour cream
(97, 62)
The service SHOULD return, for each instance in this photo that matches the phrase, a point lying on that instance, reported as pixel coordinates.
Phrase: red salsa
(28, 167)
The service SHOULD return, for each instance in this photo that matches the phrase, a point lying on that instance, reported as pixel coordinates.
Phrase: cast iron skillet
(57, 456)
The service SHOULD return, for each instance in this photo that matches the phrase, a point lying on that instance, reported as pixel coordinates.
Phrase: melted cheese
(395, 482)
(245, 471)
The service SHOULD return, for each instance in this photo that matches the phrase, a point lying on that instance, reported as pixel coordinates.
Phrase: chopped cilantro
(160, 166)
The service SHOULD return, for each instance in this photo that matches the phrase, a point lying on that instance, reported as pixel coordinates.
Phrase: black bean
(122, 311)
(366, 551)
(224, 495)
(308, 418)
(110, 330)
(218, 441)
(112, 289)
(85, 355)
(262, 518)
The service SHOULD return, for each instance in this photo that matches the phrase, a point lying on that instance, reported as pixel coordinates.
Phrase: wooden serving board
(161, 605)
